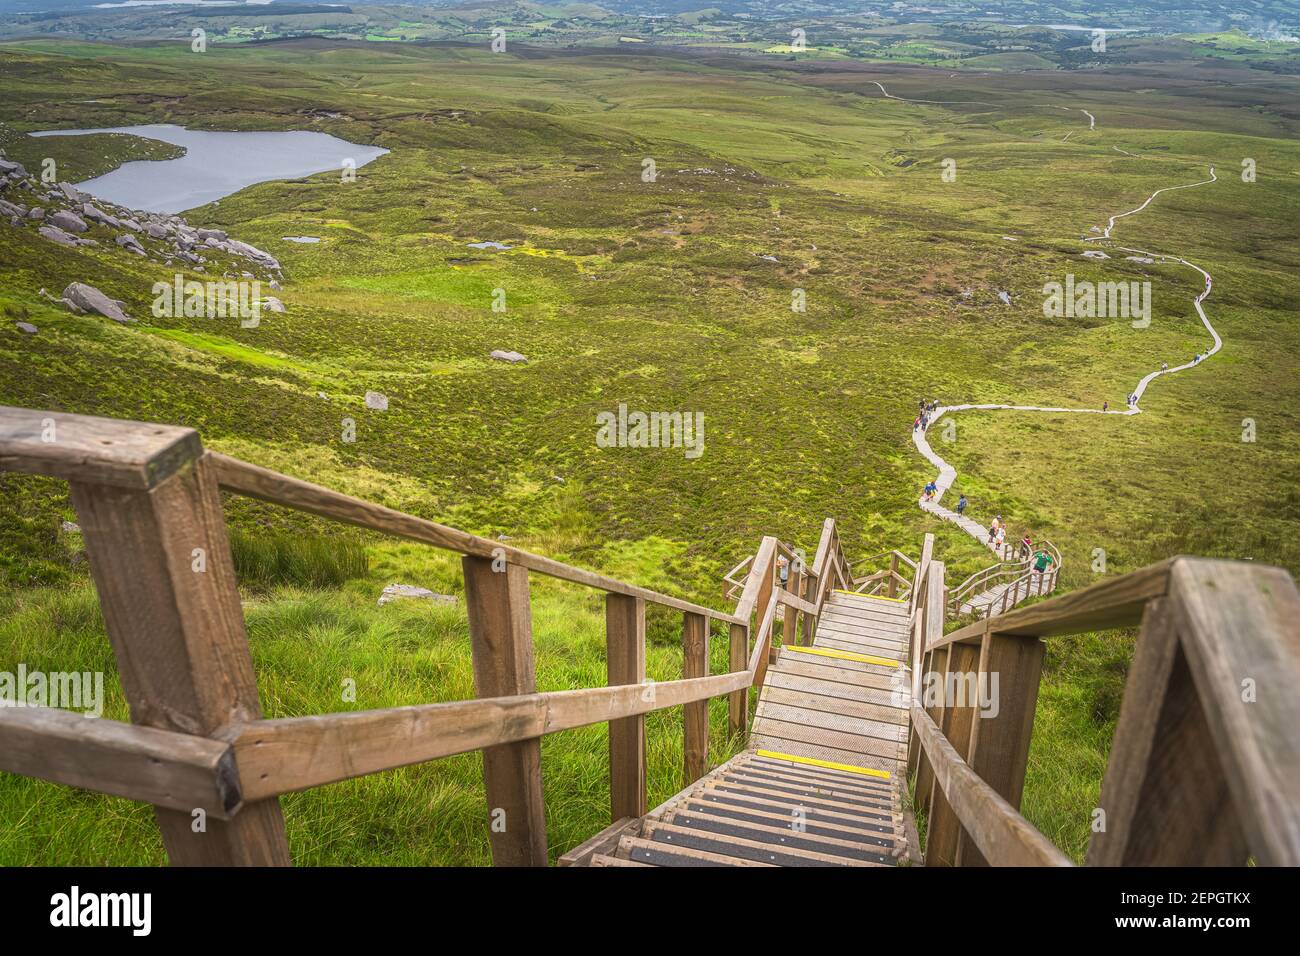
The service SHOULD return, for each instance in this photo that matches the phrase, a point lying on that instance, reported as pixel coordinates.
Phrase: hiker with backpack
(961, 505)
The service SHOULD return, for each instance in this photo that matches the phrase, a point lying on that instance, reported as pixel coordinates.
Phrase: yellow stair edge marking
(873, 597)
(843, 655)
(829, 765)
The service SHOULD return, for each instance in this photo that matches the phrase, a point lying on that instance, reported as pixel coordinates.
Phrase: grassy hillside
(667, 295)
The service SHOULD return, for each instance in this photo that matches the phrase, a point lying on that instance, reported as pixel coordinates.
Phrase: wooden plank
(883, 825)
(178, 636)
(779, 834)
(859, 710)
(1240, 630)
(695, 716)
(604, 842)
(625, 649)
(835, 693)
(1002, 835)
(770, 729)
(501, 646)
(880, 843)
(94, 451)
(823, 720)
(601, 859)
(1165, 797)
(167, 769)
(892, 765)
(1000, 742)
(663, 854)
(239, 476)
(295, 753)
(814, 668)
(759, 850)
(943, 829)
(738, 701)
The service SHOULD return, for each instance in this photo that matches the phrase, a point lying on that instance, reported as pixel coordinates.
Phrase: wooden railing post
(695, 716)
(893, 570)
(625, 654)
(1165, 796)
(935, 663)
(738, 701)
(501, 646)
(1010, 668)
(160, 557)
(944, 830)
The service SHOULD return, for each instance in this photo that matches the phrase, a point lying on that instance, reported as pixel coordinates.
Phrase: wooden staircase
(822, 781)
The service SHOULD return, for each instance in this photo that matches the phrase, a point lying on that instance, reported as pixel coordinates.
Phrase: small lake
(216, 164)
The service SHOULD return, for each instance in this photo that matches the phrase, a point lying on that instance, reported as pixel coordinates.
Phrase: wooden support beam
(167, 769)
(501, 645)
(1010, 669)
(161, 562)
(695, 716)
(625, 654)
(943, 830)
(936, 670)
(1165, 797)
(738, 701)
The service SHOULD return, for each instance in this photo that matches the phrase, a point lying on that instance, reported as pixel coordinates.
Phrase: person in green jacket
(1041, 561)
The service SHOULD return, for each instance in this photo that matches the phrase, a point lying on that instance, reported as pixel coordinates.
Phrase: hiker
(1026, 547)
(916, 424)
(961, 505)
(1002, 536)
(1041, 561)
(931, 490)
(783, 569)
(1164, 366)
(1105, 406)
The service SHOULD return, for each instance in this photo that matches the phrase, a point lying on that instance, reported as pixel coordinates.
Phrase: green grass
(658, 295)
(278, 559)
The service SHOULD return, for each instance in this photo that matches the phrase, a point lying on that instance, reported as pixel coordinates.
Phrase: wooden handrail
(255, 482)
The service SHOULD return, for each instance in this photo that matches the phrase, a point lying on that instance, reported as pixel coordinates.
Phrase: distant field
(772, 175)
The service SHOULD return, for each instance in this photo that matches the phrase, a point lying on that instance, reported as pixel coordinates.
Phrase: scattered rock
(12, 209)
(377, 400)
(217, 234)
(503, 356)
(89, 299)
(71, 192)
(70, 527)
(1143, 259)
(1095, 254)
(68, 221)
(272, 304)
(98, 215)
(55, 234)
(1005, 297)
(26, 327)
(155, 231)
(127, 241)
(36, 212)
(409, 592)
(8, 167)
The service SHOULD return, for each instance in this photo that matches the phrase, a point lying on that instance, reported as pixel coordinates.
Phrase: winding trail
(948, 474)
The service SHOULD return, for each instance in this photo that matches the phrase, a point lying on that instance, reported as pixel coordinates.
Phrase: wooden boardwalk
(821, 783)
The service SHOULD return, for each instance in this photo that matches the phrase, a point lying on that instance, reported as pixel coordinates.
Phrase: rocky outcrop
(86, 298)
(503, 356)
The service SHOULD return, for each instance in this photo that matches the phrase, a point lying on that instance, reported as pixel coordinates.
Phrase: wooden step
(852, 709)
(600, 859)
(893, 765)
(836, 777)
(885, 828)
(867, 787)
(651, 853)
(865, 602)
(878, 693)
(883, 840)
(770, 709)
(873, 813)
(792, 835)
(757, 851)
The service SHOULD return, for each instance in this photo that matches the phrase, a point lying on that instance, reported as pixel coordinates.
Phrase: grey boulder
(87, 298)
